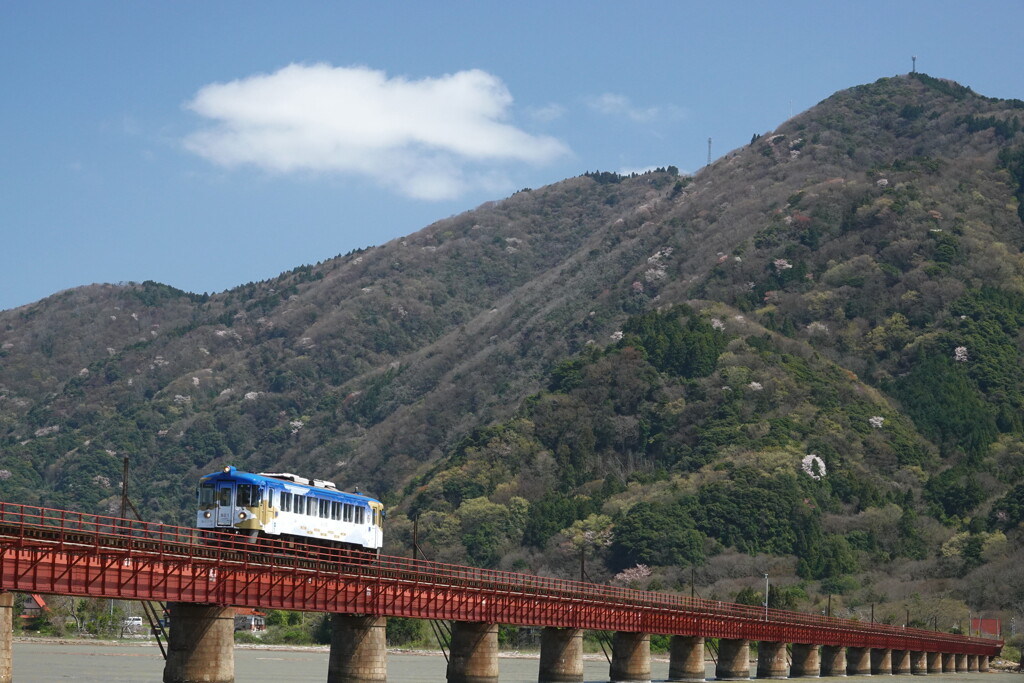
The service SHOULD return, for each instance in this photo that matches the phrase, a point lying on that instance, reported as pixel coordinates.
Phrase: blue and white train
(289, 507)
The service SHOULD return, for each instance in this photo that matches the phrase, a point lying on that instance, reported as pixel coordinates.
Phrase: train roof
(322, 484)
(288, 476)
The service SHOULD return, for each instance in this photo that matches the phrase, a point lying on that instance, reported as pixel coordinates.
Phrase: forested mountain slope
(803, 359)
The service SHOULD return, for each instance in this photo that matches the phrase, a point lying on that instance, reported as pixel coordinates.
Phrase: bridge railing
(67, 530)
(80, 526)
(489, 581)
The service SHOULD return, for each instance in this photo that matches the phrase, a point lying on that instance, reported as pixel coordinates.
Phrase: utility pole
(913, 61)
(124, 489)
(709, 151)
(766, 596)
(416, 538)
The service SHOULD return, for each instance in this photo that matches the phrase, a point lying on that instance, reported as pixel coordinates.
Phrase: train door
(225, 500)
(376, 528)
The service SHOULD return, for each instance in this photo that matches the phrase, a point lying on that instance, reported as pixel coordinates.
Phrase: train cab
(232, 501)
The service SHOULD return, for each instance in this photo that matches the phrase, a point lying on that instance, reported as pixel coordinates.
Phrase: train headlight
(241, 515)
(206, 514)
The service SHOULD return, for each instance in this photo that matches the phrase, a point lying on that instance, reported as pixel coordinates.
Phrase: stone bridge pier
(631, 657)
(561, 655)
(201, 644)
(833, 660)
(474, 653)
(6, 637)
(806, 662)
(358, 649)
(200, 649)
(686, 659)
(900, 662)
(733, 660)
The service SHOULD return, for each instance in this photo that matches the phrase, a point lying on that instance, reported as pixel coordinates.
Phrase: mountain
(803, 360)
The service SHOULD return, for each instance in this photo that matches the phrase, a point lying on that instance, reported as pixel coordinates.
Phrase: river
(86, 662)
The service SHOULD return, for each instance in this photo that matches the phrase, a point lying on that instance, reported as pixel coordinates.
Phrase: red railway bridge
(61, 552)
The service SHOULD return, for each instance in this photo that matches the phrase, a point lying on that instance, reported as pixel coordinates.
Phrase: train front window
(206, 494)
(224, 496)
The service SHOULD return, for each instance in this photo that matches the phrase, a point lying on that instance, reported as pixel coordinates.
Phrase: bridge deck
(57, 551)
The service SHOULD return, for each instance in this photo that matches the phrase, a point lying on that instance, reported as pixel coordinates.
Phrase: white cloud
(550, 112)
(639, 170)
(620, 105)
(433, 138)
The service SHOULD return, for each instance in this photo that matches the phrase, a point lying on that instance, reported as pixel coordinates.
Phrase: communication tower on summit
(709, 151)
(913, 62)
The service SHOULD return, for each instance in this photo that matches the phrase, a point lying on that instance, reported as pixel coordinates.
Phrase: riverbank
(282, 647)
(996, 665)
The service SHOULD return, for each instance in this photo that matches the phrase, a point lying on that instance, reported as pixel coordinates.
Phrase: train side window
(286, 501)
(311, 506)
(325, 508)
(242, 496)
(335, 510)
(348, 513)
(270, 498)
(360, 515)
(206, 494)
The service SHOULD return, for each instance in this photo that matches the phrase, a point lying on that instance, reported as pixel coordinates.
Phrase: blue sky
(209, 144)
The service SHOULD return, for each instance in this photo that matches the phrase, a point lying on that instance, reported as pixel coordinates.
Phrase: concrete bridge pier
(960, 663)
(686, 659)
(972, 662)
(919, 663)
(474, 653)
(771, 660)
(7, 637)
(901, 662)
(983, 664)
(858, 661)
(733, 660)
(881, 662)
(833, 660)
(201, 644)
(948, 663)
(358, 649)
(806, 661)
(934, 662)
(561, 655)
(631, 657)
